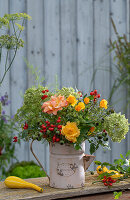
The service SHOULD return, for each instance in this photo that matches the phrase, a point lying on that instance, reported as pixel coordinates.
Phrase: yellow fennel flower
(80, 106)
(103, 104)
(86, 100)
(71, 100)
(70, 131)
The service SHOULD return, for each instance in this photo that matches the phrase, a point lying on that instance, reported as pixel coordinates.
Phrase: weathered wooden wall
(69, 38)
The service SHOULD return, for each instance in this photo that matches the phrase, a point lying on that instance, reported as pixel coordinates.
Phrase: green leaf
(122, 156)
(97, 162)
(92, 148)
(117, 195)
(118, 161)
(106, 164)
(128, 153)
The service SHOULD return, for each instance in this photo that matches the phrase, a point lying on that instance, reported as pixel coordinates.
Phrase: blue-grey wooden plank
(35, 56)
(68, 43)
(85, 50)
(51, 49)
(18, 78)
(118, 13)
(101, 58)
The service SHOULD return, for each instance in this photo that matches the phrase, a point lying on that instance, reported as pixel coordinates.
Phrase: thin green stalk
(9, 66)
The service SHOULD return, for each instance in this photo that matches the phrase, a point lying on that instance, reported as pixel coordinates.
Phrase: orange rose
(80, 106)
(70, 131)
(71, 100)
(103, 104)
(55, 104)
(86, 100)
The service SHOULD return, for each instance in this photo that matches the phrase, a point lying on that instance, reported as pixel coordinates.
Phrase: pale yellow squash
(15, 182)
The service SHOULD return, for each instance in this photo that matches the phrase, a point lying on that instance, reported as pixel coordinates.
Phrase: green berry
(105, 139)
(99, 137)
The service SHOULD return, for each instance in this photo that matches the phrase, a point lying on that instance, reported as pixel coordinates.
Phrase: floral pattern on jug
(66, 169)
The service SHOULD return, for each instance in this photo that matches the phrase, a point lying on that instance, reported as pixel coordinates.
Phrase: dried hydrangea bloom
(117, 126)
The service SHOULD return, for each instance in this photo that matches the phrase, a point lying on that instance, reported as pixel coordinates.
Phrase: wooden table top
(52, 193)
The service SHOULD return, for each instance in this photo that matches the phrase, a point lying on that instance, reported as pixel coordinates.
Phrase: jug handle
(38, 159)
(87, 160)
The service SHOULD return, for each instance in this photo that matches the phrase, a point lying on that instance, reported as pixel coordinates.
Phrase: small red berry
(54, 138)
(52, 126)
(113, 181)
(110, 184)
(51, 129)
(47, 122)
(25, 126)
(104, 180)
(44, 130)
(109, 178)
(43, 91)
(98, 96)
(95, 92)
(105, 184)
(41, 131)
(44, 97)
(44, 136)
(47, 90)
(105, 177)
(15, 139)
(43, 126)
(59, 126)
(59, 117)
(57, 139)
(48, 125)
(104, 130)
(58, 121)
(91, 93)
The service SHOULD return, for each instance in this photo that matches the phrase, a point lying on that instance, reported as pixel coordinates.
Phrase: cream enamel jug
(67, 166)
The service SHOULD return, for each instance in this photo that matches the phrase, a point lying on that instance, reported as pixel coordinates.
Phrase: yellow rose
(86, 100)
(70, 131)
(103, 104)
(71, 100)
(80, 106)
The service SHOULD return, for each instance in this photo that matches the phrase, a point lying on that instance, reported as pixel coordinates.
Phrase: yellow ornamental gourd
(15, 182)
(116, 175)
(101, 170)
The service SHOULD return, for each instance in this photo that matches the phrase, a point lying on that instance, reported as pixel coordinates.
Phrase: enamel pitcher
(67, 165)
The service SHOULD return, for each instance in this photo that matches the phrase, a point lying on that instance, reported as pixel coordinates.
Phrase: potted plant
(65, 119)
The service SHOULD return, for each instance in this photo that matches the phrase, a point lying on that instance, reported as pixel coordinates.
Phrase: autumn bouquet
(67, 116)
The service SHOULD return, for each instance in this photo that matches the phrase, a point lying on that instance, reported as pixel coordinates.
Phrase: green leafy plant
(117, 195)
(25, 170)
(121, 48)
(13, 25)
(7, 126)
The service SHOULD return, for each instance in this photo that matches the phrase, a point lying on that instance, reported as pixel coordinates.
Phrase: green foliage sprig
(11, 40)
(121, 47)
